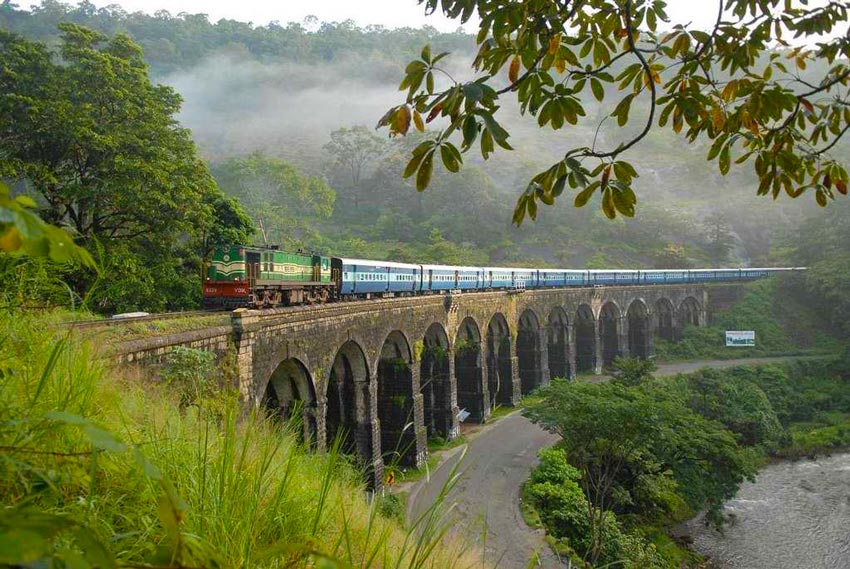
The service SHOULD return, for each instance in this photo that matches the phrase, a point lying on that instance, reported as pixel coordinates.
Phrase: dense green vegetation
(101, 470)
(637, 455)
(180, 41)
(97, 144)
(774, 310)
(822, 246)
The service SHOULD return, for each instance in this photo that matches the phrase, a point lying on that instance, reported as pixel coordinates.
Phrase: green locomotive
(265, 277)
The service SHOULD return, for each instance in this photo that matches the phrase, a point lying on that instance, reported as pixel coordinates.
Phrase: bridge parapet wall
(153, 351)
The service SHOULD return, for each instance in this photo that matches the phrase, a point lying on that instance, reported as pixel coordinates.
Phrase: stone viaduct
(382, 376)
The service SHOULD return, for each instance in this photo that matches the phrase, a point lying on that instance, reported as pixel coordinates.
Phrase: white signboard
(740, 338)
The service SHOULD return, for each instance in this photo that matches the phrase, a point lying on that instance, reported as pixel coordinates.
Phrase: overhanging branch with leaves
(739, 85)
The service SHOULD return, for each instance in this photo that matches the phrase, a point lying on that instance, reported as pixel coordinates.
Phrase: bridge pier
(571, 351)
(516, 382)
(450, 420)
(420, 431)
(543, 359)
(598, 355)
(438, 385)
(400, 412)
(367, 437)
(471, 381)
(321, 424)
(624, 350)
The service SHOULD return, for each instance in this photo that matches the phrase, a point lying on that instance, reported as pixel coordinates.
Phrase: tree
(739, 404)
(720, 238)
(234, 225)
(99, 146)
(821, 246)
(604, 428)
(636, 445)
(278, 196)
(353, 150)
(96, 140)
(739, 85)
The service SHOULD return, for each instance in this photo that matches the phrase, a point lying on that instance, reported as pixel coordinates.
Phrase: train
(260, 277)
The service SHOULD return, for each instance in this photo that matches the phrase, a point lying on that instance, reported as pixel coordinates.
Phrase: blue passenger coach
(448, 277)
(498, 277)
(361, 277)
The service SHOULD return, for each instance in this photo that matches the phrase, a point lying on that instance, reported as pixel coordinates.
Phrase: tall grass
(103, 469)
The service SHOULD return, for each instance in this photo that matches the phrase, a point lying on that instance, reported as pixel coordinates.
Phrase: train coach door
(252, 268)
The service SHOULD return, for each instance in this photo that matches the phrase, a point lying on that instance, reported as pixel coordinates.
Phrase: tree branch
(646, 69)
(838, 136)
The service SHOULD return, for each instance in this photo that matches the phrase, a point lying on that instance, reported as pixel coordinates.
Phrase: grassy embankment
(784, 326)
(100, 469)
(779, 411)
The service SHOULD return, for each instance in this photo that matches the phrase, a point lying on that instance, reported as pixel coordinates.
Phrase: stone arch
(290, 395)
(640, 345)
(665, 317)
(586, 339)
(348, 410)
(434, 382)
(500, 362)
(469, 370)
(689, 313)
(396, 401)
(530, 352)
(558, 343)
(610, 323)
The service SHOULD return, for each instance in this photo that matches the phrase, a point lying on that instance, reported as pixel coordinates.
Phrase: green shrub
(190, 372)
(737, 403)
(632, 371)
(391, 506)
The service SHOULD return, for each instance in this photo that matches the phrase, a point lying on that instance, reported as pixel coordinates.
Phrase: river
(795, 515)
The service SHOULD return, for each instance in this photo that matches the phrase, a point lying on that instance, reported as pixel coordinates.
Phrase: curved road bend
(498, 461)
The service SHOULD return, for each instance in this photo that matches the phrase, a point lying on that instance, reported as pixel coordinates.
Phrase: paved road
(498, 460)
(690, 367)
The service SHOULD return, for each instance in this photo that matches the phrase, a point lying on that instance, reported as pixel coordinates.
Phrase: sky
(388, 13)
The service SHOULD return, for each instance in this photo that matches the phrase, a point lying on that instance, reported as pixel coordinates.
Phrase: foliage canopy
(740, 85)
(86, 133)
